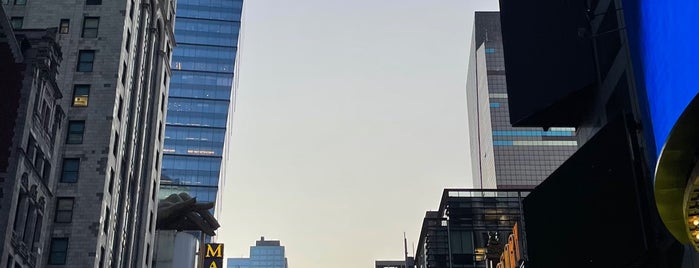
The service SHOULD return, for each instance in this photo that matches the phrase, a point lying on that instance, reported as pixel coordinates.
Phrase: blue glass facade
(206, 32)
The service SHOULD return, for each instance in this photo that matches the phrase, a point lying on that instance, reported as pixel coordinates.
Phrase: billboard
(663, 42)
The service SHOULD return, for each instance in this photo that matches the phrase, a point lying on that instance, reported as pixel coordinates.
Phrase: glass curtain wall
(206, 32)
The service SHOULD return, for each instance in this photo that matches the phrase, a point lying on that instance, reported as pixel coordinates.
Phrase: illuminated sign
(80, 101)
(661, 35)
(664, 45)
(213, 257)
(200, 152)
(512, 253)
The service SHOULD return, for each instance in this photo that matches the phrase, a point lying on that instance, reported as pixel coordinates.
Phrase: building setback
(503, 156)
(113, 78)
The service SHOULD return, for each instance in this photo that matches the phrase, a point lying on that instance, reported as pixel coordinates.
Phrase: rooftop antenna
(405, 245)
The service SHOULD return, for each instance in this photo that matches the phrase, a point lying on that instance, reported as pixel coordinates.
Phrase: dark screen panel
(587, 213)
(548, 59)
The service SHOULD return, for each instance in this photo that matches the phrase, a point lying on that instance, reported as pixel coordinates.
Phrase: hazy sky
(350, 121)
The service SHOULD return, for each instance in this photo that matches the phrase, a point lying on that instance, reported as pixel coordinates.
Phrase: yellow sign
(512, 253)
(214, 256)
(214, 250)
(80, 101)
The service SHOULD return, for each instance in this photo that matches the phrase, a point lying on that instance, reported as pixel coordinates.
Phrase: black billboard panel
(589, 212)
(548, 60)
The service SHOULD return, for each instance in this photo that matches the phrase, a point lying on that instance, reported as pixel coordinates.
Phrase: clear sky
(350, 120)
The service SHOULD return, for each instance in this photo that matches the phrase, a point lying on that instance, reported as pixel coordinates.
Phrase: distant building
(504, 156)
(393, 264)
(264, 254)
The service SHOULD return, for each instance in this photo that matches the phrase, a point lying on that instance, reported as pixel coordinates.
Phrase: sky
(350, 121)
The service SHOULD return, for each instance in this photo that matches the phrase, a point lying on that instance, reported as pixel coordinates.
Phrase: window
(111, 180)
(90, 26)
(64, 26)
(38, 159)
(58, 251)
(157, 159)
(93, 2)
(46, 173)
(16, 22)
(85, 60)
(75, 132)
(31, 148)
(131, 10)
(123, 74)
(46, 115)
(115, 149)
(20, 2)
(81, 95)
(71, 168)
(121, 107)
(106, 221)
(102, 257)
(64, 210)
(128, 41)
(162, 102)
(155, 188)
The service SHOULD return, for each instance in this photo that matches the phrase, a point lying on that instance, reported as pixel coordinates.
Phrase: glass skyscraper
(264, 254)
(505, 157)
(201, 91)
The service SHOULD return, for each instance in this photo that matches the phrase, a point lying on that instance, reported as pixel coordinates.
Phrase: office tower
(264, 254)
(113, 77)
(201, 93)
(503, 156)
(471, 228)
(32, 123)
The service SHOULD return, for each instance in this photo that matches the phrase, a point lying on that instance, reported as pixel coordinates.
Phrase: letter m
(211, 252)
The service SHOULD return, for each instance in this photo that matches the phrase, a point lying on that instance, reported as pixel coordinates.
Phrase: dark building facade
(32, 122)
(470, 228)
(503, 156)
(601, 68)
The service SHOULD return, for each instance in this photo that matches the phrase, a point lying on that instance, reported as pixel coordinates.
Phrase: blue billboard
(664, 41)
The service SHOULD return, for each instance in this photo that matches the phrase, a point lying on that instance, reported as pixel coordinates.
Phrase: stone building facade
(32, 122)
(114, 78)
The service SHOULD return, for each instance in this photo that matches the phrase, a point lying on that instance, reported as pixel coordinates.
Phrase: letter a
(213, 265)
